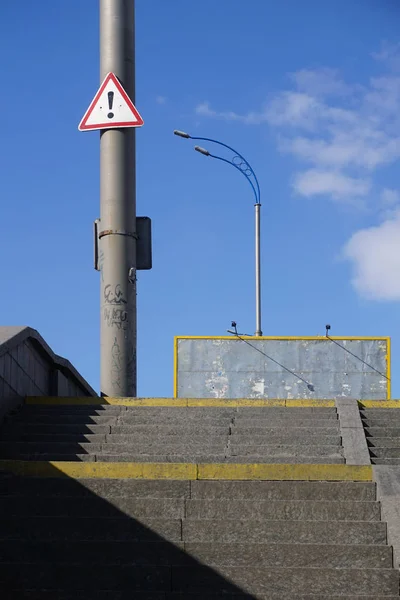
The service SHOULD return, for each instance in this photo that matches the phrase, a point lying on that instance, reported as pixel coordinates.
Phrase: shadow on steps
(61, 540)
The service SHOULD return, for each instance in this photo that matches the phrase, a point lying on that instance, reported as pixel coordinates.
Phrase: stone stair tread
(384, 442)
(186, 579)
(383, 431)
(176, 458)
(161, 553)
(384, 452)
(385, 461)
(119, 527)
(253, 490)
(96, 528)
(252, 531)
(286, 490)
(295, 510)
(196, 509)
(115, 595)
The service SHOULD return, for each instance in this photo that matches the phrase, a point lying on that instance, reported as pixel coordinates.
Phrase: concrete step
(385, 452)
(291, 555)
(196, 411)
(284, 437)
(260, 411)
(215, 458)
(72, 419)
(284, 580)
(292, 430)
(109, 448)
(383, 431)
(276, 450)
(164, 508)
(283, 532)
(147, 430)
(295, 510)
(380, 412)
(46, 438)
(387, 422)
(201, 578)
(177, 458)
(177, 508)
(162, 553)
(253, 490)
(121, 528)
(267, 422)
(284, 490)
(116, 528)
(18, 430)
(160, 429)
(118, 595)
(114, 595)
(385, 461)
(383, 442)
(108, 488)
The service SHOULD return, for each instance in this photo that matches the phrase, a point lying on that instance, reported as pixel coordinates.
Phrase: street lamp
(240, 163)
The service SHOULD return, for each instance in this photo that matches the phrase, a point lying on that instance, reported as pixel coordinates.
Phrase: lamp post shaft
(257, 208)
(117, 235)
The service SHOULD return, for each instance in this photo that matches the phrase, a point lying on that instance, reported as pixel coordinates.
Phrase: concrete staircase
(107, 537)
(382, 430)
(164, 540)
(173, 434)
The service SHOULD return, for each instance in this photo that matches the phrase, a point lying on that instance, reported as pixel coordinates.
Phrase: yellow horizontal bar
(284, 472)
(179, 402)
(186, 471)
(309, 403)
(379, 403)
(96, 401)
(281, 338)
(119, 470)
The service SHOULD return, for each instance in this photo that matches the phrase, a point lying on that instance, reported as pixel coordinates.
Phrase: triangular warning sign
(110, 108)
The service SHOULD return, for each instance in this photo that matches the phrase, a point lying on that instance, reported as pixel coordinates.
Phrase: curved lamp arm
(256, 190)
(229, 162)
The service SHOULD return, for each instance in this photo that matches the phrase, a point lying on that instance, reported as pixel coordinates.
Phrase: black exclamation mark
(110, 103)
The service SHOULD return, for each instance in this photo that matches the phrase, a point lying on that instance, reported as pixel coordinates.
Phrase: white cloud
(375, 257)
(330, 183)
(344, 132)
(389, 197)
(252, 118)
(340, 134)
(161, 99)
(389, 55)
(320, 82)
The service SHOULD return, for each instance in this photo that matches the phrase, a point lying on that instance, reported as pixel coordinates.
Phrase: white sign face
(110, 108)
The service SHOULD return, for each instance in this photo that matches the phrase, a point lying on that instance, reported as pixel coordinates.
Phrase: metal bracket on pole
(117, 232)
(96, 243)
(144, 242)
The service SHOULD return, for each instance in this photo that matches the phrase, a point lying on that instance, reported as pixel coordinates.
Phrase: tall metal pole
(257, 208)
(117, 227)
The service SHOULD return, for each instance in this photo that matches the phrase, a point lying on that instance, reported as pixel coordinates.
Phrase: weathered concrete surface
(279, 580)
(258, 368)
(284, 532)
(292, 555)
(284, 490)
(295, 510)
(388, 493)
(352, 431)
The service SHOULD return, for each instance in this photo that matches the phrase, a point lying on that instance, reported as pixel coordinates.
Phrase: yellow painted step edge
(178, 402)
(187, 471)
(379, 403)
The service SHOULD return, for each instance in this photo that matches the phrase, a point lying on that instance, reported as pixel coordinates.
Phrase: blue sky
(308, 91)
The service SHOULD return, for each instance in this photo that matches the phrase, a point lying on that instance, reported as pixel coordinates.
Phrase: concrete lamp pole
(241, 164)
(117, 234)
